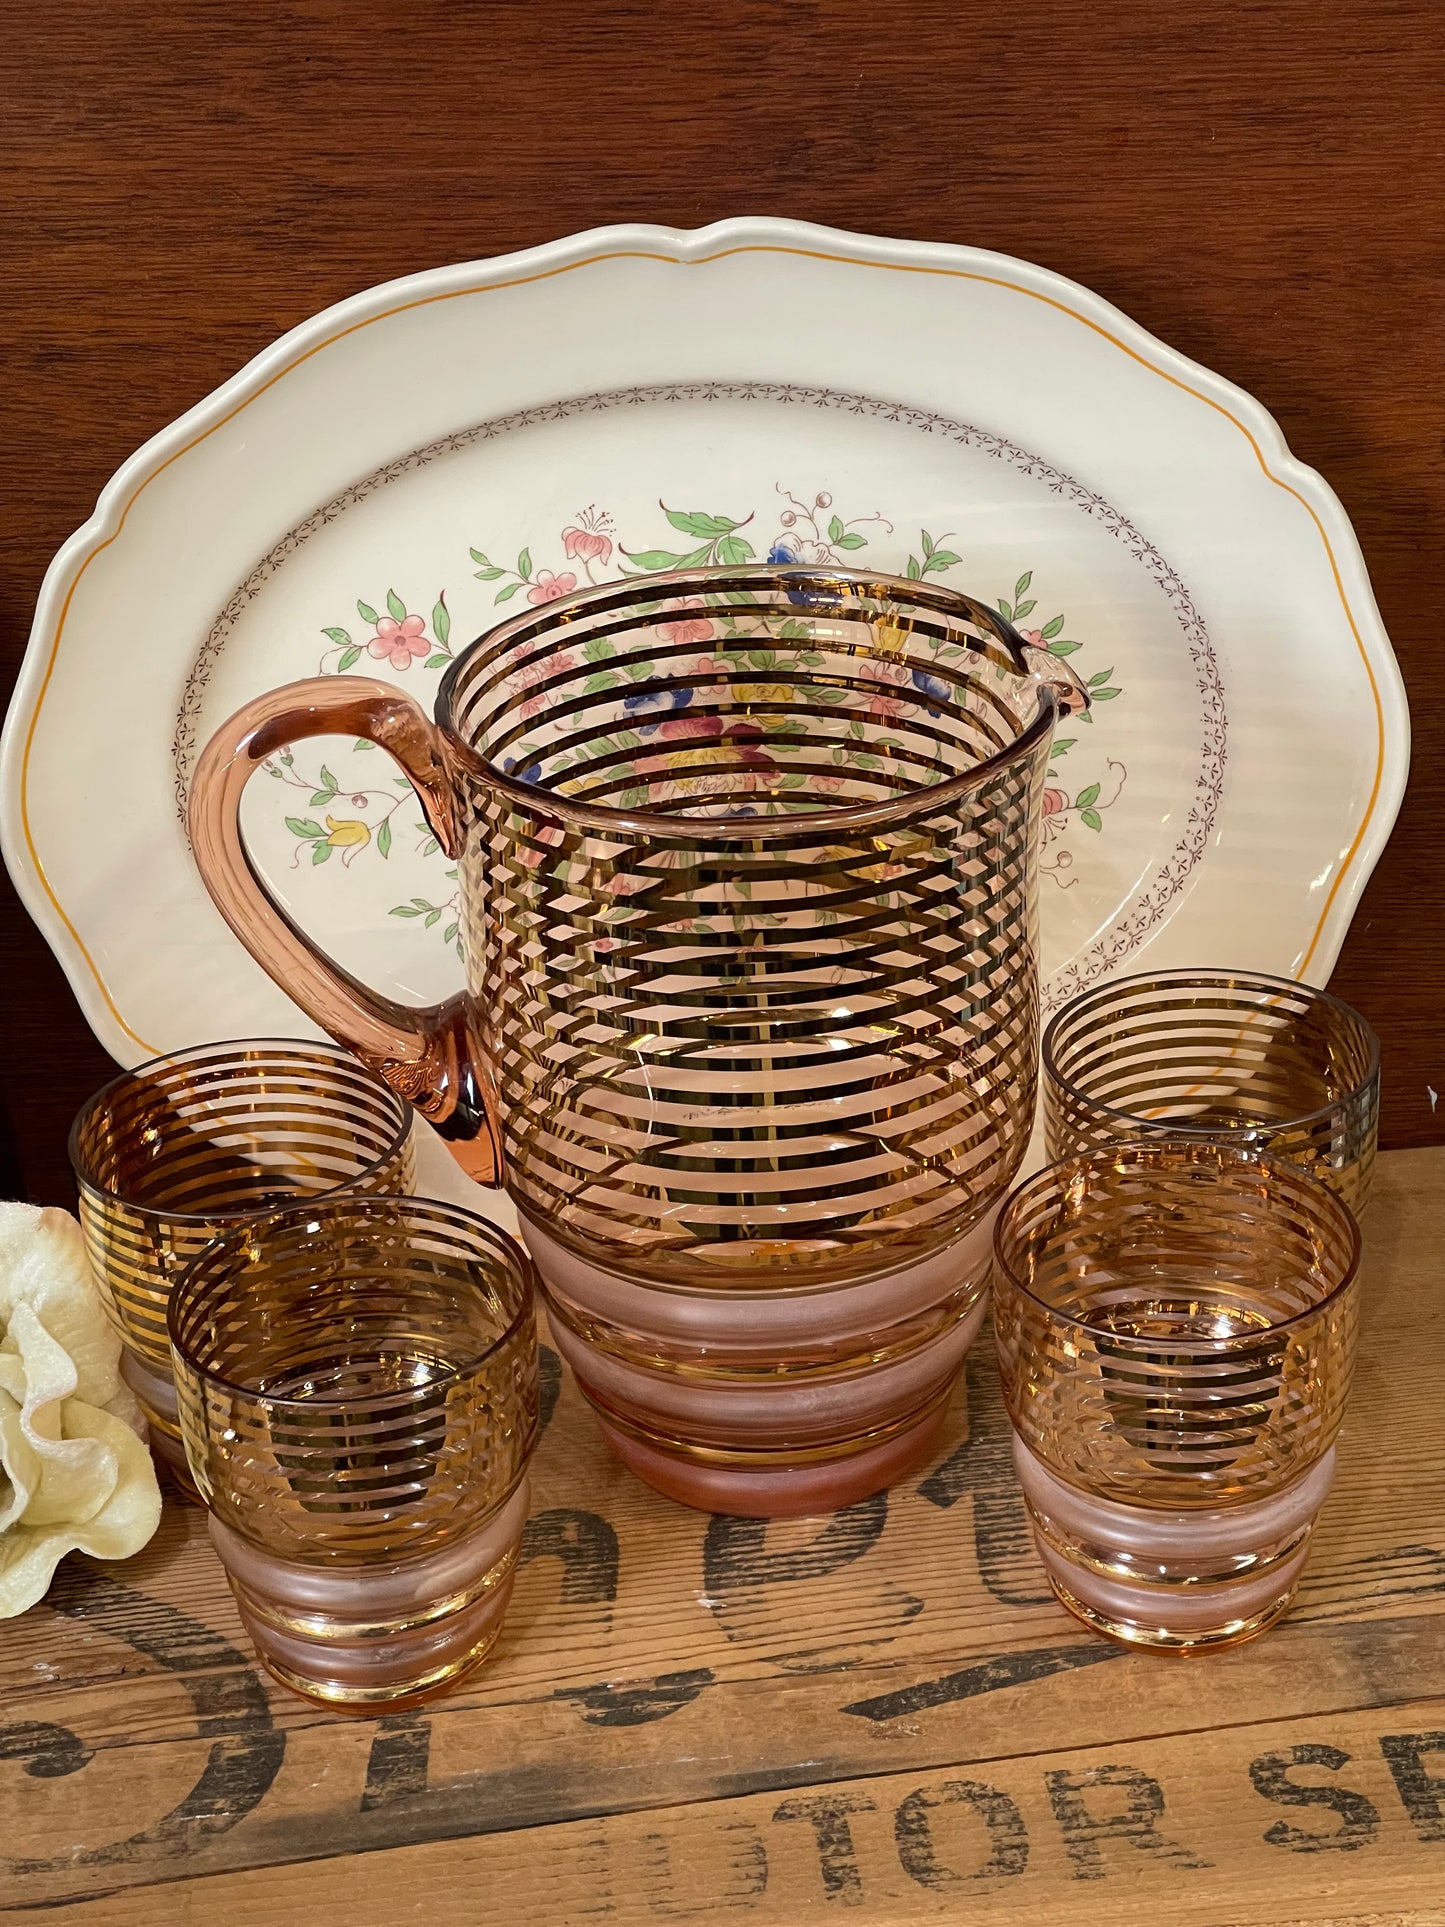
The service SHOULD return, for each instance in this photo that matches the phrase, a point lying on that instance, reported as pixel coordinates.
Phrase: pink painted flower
(539, 669)
(1033, 636)
(587, 545)
(547, 587)
(687, 628)
(1054, 801)
(689, 726)
(399, 643)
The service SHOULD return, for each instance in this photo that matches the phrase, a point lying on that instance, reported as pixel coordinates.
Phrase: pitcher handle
(425, 1053)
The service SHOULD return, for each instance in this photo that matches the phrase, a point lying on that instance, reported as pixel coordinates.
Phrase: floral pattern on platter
(589, 550)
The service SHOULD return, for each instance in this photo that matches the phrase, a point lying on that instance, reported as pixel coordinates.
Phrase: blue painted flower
(933, 686)
(781, 552)
(655, 699)
(525, 772)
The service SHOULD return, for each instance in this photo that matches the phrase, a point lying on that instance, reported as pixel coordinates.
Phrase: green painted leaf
(348, 660)
(1022, 609)
(599, 649)
(732, 549)
(913, 571)
(852, 540)
(321, 796)
(433, 916)
(868, 762)
(810, 656)
(762, 658)
(927, 541)
(1064, 648)
(449, 935)
(940, 560)
(329, 780)
(1103, 676)
(383, 838)
(696, 522)
(524, 564)
(602, 680)
(404, 910)
(855, 728)
(404, 783)
(366, 612)
(1023, 582)
(1051, 629)
(1063, 746)
(839, 755)
(441, 620)
(1104, 695)
(489, 574)
(337, 635)
(654, 559)
(439, 660)
(835, 529)
(1092, 819)
(505, 595)
(795, 781)
(303, 826)
(421, 903)
(1005, 609)
(477, 556)
(320, 853)
(430, 847)
(395, 607)
(1086, 797)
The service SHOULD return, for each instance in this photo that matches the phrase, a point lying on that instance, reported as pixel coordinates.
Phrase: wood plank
(657, 1659)
(1273, 1822)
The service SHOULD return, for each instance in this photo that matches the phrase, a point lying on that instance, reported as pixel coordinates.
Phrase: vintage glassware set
(751, 1038)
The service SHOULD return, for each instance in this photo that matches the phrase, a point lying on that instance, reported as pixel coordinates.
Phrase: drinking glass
(1229, 1054)
(357, 1384)
(169, 1155)
(748, 870)
(1176, 1327)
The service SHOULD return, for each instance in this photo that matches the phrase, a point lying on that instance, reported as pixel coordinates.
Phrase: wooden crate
(695, 1719)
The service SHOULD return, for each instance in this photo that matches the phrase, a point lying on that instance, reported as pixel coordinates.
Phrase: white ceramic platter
(387, 480)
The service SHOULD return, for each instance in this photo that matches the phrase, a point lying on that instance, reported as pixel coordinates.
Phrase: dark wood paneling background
(1261, 185)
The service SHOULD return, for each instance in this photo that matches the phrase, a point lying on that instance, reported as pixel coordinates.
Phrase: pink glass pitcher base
(769, 1404)
(789, 1492)
(1173, 1581)
(383, 1636)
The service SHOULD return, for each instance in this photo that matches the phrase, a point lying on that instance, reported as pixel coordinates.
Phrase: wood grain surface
(1259, 183)
(721, 1720)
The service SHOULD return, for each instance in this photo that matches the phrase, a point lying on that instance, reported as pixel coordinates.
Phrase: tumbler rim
(1241, 1157)
(325, 1048)
(1221, 975)
(365, 1204)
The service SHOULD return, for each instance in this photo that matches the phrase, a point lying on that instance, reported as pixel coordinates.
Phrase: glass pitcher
(748, 868)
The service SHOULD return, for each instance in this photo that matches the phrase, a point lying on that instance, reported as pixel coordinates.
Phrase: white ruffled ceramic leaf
(75, 1473)
(43, 1265)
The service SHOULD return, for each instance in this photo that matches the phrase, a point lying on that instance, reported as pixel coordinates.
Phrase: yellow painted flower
(348, 836)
